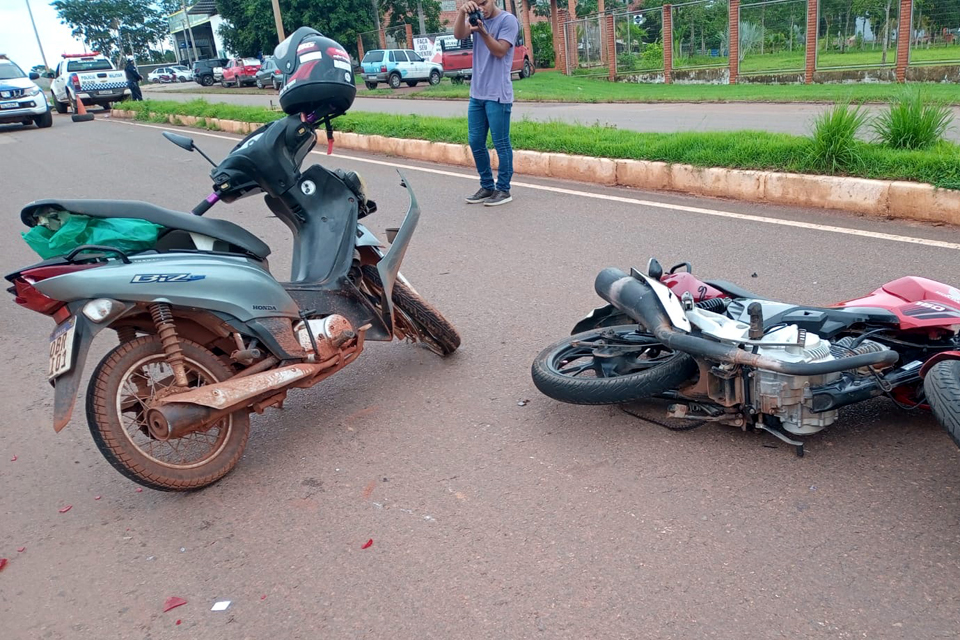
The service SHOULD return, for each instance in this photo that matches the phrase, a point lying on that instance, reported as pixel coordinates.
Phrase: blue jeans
(484, 116)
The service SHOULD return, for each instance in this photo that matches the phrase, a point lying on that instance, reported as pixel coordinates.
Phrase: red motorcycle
(721, 353)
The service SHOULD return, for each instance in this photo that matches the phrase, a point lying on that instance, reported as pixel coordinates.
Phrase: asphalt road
(795, 118)
(489, 519)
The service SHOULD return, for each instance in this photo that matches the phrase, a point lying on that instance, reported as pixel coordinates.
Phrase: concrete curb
(879, 198)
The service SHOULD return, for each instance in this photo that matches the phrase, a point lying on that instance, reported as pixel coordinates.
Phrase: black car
(203, 70)
(269, 75)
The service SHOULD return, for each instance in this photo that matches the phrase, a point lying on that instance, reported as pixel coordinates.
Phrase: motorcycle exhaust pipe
(637, 299)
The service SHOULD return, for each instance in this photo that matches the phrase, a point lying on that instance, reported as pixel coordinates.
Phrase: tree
(114, 27)
(249, 26)
(402, 12)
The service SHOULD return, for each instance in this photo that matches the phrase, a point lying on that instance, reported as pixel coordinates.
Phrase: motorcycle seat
(223, 230)
(733, 290)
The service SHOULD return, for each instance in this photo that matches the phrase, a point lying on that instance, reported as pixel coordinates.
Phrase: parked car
(395, 66)
(21, 100)
(240, 71)
(269, 75)
(457, 59)
(205, 71)
(167, 74)
(89, 76)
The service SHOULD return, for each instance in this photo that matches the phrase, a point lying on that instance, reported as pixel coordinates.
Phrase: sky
(18, 41)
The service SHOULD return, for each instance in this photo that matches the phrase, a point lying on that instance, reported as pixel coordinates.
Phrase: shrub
(910, 123)
(835, 146)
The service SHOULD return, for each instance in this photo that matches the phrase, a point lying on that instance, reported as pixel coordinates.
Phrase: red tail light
(28, 296)
(276, 72)
(383, 69)
(75, 81)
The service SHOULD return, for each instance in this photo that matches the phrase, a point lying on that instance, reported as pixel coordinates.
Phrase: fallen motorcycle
(207, 334)
(720, 353)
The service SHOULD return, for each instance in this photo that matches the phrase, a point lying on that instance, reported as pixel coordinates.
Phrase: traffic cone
(81, 115)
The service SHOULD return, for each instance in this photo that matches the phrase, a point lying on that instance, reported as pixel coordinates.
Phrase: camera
(475, 17)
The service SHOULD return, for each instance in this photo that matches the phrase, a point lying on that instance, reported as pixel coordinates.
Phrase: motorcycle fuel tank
(233, 285)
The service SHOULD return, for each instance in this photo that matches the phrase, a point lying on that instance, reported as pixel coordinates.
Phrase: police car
(90, 76)
(20, 99)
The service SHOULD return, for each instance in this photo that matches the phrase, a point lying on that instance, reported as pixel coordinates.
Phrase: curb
(878, 198)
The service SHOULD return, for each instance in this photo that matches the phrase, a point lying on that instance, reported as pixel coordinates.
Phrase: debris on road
(178, 623)
(172, 603)
(21, 549)
(221, 606)
(97, 497)
(139, 489)
(3, 563)
(263, 597)
(523, 403)
(13, 459)
(66, 508)
(367, 544)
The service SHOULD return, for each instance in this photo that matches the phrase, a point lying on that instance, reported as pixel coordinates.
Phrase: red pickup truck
(240, 71)
(457, 59)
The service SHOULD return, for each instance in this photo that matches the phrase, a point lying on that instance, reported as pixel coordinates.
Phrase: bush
(909, 123)
(542, 37)
(835, 148)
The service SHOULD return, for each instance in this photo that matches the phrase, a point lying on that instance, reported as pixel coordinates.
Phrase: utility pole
(193, 43)
(423, 26)
(279, 21)
(42, 54)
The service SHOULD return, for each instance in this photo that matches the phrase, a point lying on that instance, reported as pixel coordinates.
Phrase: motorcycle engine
(785, 396)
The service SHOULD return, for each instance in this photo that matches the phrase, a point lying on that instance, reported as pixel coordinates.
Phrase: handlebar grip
(202, 208)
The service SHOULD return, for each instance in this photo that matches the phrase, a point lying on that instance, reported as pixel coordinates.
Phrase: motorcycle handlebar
(205, 204)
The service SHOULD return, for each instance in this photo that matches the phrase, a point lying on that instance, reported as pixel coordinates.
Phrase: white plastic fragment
(221, 606)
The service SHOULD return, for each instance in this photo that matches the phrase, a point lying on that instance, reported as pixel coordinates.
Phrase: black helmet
(318, 75)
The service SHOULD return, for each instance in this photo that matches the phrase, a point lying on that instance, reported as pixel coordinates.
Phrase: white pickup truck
(90, 76)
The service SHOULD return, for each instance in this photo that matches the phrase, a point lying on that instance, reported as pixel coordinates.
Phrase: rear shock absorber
(163, 319)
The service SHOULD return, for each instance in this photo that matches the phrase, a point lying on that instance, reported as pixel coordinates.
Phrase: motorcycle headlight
(32, 91)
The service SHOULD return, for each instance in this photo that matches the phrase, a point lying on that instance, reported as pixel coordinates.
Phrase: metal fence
(858, 35)
(370, 40)
(397, 38)
(701, 34)
(639, 41)
(773, 36)
(584, 41)
(935, 37)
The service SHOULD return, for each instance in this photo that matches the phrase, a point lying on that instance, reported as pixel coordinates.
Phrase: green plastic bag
(59, 233)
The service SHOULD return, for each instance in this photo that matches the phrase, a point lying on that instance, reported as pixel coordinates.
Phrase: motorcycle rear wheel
(942, 388)
(439, 335)
(131, 374)
(612, 365)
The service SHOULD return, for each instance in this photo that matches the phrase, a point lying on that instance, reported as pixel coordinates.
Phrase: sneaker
(498, 198)
(481, 196)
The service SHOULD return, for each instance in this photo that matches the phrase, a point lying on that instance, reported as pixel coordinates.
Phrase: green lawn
(758, 150)
(939, 53)
(795, 60)
(556, 87)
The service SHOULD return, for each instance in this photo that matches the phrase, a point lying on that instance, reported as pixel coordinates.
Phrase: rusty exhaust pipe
(637, 299)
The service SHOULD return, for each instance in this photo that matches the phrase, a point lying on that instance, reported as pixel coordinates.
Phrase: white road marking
(875, 235)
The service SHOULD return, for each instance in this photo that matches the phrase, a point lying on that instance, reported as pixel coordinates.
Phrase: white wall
(215, 23)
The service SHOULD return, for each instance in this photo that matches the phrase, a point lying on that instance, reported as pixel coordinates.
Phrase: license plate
(104, 93)
(9, 105)
(61, 348)
(371, 76)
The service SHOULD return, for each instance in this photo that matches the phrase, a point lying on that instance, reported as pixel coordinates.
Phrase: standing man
(133, 80)
(491, 94)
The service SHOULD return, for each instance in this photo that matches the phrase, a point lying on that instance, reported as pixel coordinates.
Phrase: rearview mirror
(34, 75)
(181, 141)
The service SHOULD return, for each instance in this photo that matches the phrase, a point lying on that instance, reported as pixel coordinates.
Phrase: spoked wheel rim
(145, 381)
(611, 353)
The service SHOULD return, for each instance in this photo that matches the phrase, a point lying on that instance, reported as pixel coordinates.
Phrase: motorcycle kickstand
(796, 444)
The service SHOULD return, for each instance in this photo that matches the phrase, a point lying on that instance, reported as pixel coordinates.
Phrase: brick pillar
(525, 20)
(667, 43)
(573, 45)
(408, 28)
(360, 47)
(557, 36)
(611, 46)
(561, 37)
(813, 28)
(734, 41)
(904, 33)
(383, 38)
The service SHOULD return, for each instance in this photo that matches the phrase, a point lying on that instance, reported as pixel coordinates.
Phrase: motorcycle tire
(669, 370)
(113, 378)
(440, 336)
(942, 388)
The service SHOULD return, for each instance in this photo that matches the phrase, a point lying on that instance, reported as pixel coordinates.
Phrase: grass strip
(939, 165)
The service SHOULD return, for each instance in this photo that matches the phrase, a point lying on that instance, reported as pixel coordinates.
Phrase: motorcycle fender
(595, 318)
(389, 266)
(940, 357)
(67, 385)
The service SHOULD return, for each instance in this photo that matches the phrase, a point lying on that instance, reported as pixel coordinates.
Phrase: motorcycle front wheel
(120, 389)
(438, 334)
(612, 365)
(942, 388)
